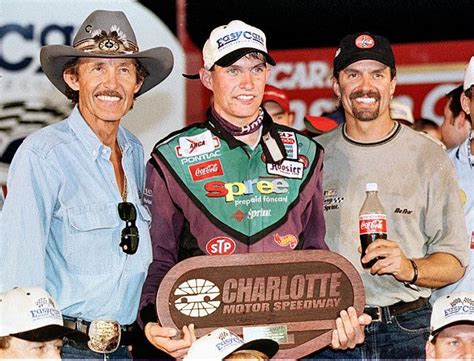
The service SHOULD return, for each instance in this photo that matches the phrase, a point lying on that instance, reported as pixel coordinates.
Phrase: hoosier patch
(287, 169)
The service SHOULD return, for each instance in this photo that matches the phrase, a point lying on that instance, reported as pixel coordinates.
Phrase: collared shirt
(61, 228)
(462, 159)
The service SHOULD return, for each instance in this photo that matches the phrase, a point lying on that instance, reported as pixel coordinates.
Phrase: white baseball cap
(452, 308)
(469, 75)
(221, 342)
(402, 111)
(228, 43)
(31, 314)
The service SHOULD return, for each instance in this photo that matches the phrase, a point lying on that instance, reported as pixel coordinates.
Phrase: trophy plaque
(292, 297)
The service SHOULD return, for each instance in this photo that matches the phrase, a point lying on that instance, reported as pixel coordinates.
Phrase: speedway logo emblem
(196, 298)
(197, 144)
(303, 290)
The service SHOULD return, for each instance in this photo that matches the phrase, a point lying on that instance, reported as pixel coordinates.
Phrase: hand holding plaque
(303, 291)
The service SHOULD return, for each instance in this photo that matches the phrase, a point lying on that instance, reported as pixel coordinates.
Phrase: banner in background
(425, 73)
(29, 101)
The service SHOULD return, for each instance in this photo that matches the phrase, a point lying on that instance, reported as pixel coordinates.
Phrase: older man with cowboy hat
(74, 222)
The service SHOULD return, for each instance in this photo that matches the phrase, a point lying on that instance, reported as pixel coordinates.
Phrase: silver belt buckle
(104, 336)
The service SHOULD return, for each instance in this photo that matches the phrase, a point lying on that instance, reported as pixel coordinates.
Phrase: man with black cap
(73, 219)
(427, 244)
(31, 325)
(237, 183)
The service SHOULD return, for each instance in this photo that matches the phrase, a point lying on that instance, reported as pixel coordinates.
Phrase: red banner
(425, 73)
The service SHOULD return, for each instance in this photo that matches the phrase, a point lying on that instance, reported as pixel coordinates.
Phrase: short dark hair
(4, 342)
(72, 66)
(468, 92)
(455, 103)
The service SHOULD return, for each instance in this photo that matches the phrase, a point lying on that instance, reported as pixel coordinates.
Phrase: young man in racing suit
(237, 183)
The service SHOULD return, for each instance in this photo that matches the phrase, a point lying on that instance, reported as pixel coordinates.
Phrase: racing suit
(210, 194)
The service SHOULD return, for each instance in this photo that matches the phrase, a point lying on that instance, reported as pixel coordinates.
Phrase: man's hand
(393, 261)
(349, 330)
(162, 338)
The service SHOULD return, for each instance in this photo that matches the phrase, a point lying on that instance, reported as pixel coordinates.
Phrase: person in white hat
(205, 182)
(222, 344)
(73, 220)
(462, 157)
(401, 113)
(31, 325)
(452, 327)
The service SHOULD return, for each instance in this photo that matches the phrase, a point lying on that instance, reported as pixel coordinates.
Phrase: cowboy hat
(106, 34)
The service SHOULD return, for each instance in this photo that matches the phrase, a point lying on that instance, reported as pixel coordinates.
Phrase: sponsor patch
(197, 144)
(303, 159)
(239, 216)
(287, 169)
(364, 42)
(332, 200)
(291, 145)
(209, 169)
(219, 246)
(288, 240)
(249, 187)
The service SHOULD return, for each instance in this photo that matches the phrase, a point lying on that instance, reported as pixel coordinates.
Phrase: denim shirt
(462, 158)
(61, 228)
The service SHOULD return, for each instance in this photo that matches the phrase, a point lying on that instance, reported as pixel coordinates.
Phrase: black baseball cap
(362, 46)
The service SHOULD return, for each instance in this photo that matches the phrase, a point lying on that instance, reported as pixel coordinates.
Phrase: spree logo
(231, 190)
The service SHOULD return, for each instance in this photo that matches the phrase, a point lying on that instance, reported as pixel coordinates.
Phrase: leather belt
(377, 312)
(83, 326)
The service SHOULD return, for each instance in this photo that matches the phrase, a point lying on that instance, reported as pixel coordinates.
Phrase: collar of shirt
(90, 140)
(463, 152)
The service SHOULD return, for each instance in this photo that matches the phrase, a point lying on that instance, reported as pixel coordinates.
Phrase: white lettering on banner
(301, 75)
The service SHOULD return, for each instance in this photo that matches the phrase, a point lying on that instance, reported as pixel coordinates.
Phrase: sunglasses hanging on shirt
(129, 239)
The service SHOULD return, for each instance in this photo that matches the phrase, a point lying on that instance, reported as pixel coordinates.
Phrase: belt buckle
(379, 311)
(104, 336)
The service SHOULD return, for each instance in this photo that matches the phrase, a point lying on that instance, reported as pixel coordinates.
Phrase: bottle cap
(371, 187)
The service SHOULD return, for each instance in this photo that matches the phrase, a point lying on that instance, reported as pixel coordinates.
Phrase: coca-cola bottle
(372, 221)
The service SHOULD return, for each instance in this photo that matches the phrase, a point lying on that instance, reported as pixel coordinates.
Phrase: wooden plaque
(302, 290)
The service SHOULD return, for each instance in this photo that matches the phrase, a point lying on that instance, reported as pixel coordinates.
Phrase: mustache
(361, 93)
(109, 93)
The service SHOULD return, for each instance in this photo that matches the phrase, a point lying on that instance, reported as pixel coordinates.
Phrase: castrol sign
(293, 297)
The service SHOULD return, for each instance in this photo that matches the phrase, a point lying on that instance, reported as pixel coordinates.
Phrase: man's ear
(430, 350)
(335, 87)
(206, 78)
(138, 86)
(465, 103)
(72, 80)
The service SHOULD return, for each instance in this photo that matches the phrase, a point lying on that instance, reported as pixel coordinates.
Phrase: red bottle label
(372, 223)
